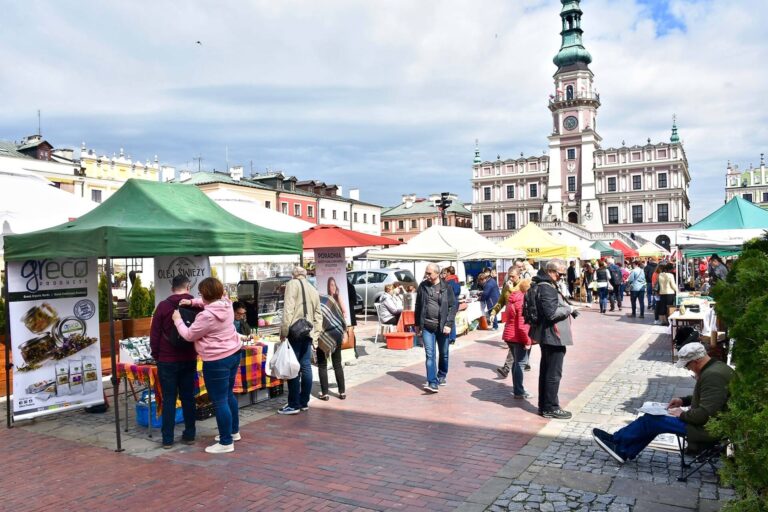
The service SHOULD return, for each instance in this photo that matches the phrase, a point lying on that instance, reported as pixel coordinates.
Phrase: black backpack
(615, 275)
(530, 309)
(188, 316)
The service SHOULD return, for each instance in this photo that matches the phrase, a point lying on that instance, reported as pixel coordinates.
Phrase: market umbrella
(321, 237)
(540, 245)
(626, 250)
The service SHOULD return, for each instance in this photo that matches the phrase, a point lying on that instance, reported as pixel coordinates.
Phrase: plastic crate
(399, 340)
(143, 413)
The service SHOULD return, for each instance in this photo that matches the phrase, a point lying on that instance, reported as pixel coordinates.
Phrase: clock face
(570, 122)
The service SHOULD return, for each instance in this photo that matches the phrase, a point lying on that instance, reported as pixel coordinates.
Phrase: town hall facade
(581, 187)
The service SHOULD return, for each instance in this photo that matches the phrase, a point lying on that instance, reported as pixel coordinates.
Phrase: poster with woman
(331, 277)
(54, 321)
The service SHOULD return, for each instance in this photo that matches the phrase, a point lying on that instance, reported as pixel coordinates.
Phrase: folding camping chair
(708, 455)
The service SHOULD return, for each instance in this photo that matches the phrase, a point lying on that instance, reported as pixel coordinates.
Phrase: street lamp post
(442, 203)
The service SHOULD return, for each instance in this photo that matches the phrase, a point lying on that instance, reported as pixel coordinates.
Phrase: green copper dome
(675, 138)
(572, 49)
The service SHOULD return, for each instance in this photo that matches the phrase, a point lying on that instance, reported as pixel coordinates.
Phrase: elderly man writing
(710, 396)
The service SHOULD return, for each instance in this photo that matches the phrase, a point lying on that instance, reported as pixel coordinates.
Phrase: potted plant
(139, 311)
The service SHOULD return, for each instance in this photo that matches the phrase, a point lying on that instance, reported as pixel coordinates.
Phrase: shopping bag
(284, 364)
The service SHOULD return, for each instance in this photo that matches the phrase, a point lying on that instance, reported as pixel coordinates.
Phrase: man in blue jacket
(490, 296)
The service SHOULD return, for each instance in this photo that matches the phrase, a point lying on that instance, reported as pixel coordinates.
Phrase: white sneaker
(220, 448)
(235, 437)
(656, 322)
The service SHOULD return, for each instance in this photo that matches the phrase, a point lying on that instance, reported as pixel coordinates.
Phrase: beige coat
(667, 284)
(293, 309)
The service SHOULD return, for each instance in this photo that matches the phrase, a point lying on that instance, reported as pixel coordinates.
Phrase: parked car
(371, 282)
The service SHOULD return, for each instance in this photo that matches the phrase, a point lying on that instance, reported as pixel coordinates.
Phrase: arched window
(573, 218)
(663, 240)
(569, 92)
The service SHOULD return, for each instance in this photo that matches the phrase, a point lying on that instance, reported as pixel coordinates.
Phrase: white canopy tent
(446, 243)
(29, 203)
(251, 210)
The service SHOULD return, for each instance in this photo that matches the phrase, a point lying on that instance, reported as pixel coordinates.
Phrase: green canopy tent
(606, 250)
(725, 230)
(145, 219)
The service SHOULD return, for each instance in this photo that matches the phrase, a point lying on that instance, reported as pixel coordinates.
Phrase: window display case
(263, 301)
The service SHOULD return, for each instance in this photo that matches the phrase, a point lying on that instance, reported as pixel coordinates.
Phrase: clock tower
(571, 180)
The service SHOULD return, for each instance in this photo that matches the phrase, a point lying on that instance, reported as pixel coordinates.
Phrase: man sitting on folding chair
(710, 396)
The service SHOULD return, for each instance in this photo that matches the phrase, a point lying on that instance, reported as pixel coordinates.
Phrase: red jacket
(162, 326)
(516, 330)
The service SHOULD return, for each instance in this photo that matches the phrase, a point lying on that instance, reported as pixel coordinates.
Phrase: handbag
(349, 338)
(610, 286)
(284, 364)
(302, 327)
(593, 286)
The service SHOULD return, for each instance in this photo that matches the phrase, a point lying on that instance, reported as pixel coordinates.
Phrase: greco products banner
(54, 321)
(331, 276)
(196, 268)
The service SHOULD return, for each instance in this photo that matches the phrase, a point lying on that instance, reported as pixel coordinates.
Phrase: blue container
(144, 412)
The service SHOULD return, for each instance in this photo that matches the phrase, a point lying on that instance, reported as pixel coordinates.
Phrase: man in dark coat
(650, 268)
(553, 333)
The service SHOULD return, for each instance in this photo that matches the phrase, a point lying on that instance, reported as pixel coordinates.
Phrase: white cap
(690, 352)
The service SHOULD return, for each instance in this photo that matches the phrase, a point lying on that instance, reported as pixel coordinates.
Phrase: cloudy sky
(385, 95)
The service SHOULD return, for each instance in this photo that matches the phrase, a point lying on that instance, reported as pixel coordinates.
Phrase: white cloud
(386, 95)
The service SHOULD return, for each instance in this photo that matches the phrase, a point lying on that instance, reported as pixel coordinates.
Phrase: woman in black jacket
(603, 277)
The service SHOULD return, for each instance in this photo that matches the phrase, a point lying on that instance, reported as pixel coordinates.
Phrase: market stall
(626, 251)
(725, 230)
(605, 250)
(540, 245)
(447, 243)
(649, 249)
(141, 219)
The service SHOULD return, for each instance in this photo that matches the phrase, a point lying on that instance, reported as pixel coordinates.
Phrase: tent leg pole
(112, 354)
(8, 364)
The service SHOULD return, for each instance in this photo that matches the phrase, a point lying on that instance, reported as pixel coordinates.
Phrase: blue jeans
(603, 298)
(439, 370)
(177, 379)
(520, 355)
(633, 438)
(219, 380)
(651, 298)
(300, 387)
(637, 296)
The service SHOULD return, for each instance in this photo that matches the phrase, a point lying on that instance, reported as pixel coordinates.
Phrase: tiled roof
(205, 178)
(424, 207)
(11, 149)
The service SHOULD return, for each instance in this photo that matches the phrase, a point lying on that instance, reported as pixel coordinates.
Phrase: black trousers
(338, 369)
(550, 372)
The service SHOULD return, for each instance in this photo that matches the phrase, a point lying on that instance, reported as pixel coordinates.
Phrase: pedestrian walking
(636, 282)
(489, 297)
(718, 271)
(571, 278)
(435, 314)
(616, 283)
(218, 344)
(603, 278)
(588, 276)
(301, 301)
(453, 281)
(176, 364)
(649, 269)
(667, 293)
(552, 330)
(516, 337)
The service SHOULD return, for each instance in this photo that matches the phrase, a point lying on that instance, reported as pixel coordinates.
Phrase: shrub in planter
(139, 300)
(104, 296)
(150, 301)
(742, 302)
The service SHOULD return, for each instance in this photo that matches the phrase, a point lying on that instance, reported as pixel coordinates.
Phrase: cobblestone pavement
(568, 471)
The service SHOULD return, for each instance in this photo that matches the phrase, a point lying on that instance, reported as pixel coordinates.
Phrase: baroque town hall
(582, 189)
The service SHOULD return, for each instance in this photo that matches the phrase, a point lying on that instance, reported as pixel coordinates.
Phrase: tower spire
(675, 138)
(477, 159)
(572, 49)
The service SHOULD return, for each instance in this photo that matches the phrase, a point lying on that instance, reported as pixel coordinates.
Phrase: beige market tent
(651, 249)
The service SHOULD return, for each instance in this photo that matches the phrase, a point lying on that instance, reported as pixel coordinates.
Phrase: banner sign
(196, 268)
(54, 321)
(331, 276)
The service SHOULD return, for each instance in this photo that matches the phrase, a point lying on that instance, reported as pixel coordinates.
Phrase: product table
(252, 376)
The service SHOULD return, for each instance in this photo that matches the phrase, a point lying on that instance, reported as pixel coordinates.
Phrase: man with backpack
(617, 281)
(176, 363)
(548, 313)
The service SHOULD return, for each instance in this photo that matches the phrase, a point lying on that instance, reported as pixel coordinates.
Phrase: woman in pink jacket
(218, 345)
(516, 336)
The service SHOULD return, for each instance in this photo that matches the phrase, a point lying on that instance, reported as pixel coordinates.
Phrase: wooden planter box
(136, 327)
(104, 336)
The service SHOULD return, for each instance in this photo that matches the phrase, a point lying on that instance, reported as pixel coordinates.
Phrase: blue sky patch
(660, 13)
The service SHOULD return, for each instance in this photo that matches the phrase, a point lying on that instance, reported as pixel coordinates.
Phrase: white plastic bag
(284, 364)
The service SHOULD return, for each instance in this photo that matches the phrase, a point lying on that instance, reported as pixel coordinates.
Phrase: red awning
(319, 237)
(625, 249)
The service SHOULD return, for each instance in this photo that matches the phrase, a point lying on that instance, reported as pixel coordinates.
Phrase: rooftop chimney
(409, 199)
(184, 175)
(236, 172)
(354, 193)
(340, 192)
